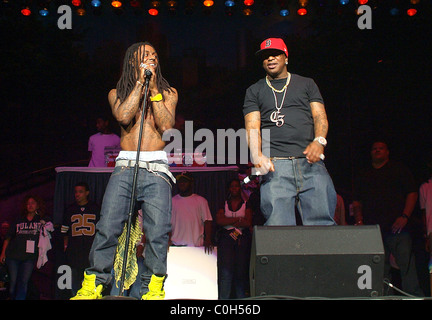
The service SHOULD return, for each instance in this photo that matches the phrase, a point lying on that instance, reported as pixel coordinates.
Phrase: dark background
(54, 83)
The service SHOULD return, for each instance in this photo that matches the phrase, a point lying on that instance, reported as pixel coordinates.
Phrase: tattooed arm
(164, 110)
(125, 111)
(253, 136)
(315, 149)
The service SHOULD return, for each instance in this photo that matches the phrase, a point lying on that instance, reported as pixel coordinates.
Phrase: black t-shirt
(292, 138)
(79, 224)
(24, 238)
(382, 193)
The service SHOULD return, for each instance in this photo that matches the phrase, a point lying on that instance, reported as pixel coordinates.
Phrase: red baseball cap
(272, 44)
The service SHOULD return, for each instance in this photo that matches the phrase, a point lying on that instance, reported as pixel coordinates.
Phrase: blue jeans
(233, 257)
(295, 182)
(153, 191)
(20, 272)
(400, 245)
(135, 289)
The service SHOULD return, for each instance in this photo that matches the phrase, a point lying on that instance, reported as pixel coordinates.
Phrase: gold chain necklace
(284, 87)
(276, 116)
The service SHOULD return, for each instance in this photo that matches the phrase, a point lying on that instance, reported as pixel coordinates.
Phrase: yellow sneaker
(89, 291)
(156, 291)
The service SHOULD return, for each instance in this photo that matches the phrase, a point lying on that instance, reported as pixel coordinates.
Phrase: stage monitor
(317, 261)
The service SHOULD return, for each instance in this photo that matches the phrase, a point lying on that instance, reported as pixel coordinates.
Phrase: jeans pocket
(118, 170)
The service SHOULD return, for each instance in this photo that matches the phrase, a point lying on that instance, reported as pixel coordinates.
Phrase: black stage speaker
(317, 261)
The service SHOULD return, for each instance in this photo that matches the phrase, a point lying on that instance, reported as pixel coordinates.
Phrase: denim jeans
(295, 182)
(20, 272)
(400, 245)
(153, 191)
(233, 257)
(135, 289)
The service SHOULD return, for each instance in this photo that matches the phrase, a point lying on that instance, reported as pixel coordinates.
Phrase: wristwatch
(321, 140)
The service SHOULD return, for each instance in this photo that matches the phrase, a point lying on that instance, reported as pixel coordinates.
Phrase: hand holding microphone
(262, 168)
(147, 72)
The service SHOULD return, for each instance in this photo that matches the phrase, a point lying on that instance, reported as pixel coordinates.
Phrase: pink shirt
(100, 145)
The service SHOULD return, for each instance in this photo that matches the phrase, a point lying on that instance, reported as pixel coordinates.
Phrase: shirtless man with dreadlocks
(153, 189)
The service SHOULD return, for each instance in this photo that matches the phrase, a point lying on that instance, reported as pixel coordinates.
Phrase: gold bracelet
(156, 98)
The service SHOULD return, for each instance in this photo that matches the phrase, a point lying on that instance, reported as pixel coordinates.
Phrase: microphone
(148, 73)
(250, 177)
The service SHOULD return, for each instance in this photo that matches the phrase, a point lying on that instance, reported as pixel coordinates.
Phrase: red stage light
(76, 3)
(411, 12)
(362, 2)
(153, 12)
(26, 11)
(301, 11)
(248, 2)
(208, 3)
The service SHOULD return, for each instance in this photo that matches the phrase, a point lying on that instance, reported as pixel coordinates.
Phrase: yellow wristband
(156, 98)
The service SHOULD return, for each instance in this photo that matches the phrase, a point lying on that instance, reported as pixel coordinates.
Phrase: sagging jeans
(153, 191)
(297, 182)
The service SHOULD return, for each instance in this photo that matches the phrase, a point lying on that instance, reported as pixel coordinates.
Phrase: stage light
(81, 11)
(343, 2)
(76, 3)
(303, 3)
(362, 2)
(208, 3)
(154, 8)
(284, 12)
(95, 3)
(415, 1)
(43, 12)
(302, 11)
(229, 3)
(248, 2)
(116, 4)
(394, 11)
(153, 12)
(411, 12)
(26, 11)
(172, 6)
(247, 11)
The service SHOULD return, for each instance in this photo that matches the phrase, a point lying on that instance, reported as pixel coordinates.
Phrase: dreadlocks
(129, 76)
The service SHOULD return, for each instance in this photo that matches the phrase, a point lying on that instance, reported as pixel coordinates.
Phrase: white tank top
(240, 213)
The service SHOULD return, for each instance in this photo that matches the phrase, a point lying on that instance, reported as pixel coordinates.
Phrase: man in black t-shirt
(386, 194)
(286, 126)
(79, 228)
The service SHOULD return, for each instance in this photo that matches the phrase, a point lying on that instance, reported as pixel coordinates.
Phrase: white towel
(44, 244)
